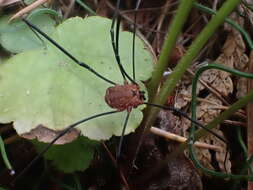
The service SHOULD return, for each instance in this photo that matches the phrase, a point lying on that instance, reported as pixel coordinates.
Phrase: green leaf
(16, 37)
(74, 156)
(46, 88)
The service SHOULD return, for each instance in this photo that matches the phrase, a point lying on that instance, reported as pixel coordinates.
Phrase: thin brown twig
(28, 9)
(147, 9)
(8, 2)
(130, 21)
(196, 21)
(116, 166)
(160, 22)
(240, 113)
(178, 138)
(210, 88)
(235, 123)
(69, 9)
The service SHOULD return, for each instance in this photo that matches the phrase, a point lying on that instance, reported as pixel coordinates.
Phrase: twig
(210, 88)
(7, 2)
(181, 139)
(130, 21)
(69, 9)
(28, 9)
(241, 113)
(234, 123)
(116, 166)
(161, 20)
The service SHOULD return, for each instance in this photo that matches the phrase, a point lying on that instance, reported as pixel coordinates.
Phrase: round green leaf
(81, 149)
(16, 37)
(46, 88)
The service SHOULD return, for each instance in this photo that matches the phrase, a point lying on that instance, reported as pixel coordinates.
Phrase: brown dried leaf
(232, 55)
(183, 92)
(7, 2)
(221, 156)
(241, 63)
(46, 135)
(204, 155)
(236, 48)
(209, 75)
(241, 87)
(180, 98)
(207, 111)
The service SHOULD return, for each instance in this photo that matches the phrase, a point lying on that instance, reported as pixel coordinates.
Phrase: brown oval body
(124, 97)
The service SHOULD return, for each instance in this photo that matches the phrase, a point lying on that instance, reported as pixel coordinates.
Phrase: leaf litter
(232, 55)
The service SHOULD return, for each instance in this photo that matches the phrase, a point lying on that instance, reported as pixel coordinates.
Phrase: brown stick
(181, 139)
(122, 176)
(28, 9)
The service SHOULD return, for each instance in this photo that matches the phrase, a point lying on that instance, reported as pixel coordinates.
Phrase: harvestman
(120, 97)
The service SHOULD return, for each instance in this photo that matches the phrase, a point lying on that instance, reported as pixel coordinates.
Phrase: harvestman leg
(122, 136)
(115, 42)
(115, 45)
(66, 130)
(177, 111)
(134, 32)
(82, 64)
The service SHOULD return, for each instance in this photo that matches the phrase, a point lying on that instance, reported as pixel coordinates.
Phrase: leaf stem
(185, 62)
(170, 41)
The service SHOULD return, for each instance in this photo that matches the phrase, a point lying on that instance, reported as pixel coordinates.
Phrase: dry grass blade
(28, 9)
(8, 2)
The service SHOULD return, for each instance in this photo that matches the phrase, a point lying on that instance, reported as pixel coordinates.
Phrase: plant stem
(201, 133)
(185, 62)
(173, 32)
(170, 41)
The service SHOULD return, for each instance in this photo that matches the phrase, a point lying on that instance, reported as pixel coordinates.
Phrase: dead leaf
(8, 2)
(233, 56)
(46, 135)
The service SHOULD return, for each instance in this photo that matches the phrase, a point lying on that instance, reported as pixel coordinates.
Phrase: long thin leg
(134, 33)
(122, 136)
(187, 117)
(66, 52)
(115, 42)
(59, 136)
(118, 21)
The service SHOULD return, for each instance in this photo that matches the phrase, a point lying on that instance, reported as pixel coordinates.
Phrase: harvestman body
(124, 97)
